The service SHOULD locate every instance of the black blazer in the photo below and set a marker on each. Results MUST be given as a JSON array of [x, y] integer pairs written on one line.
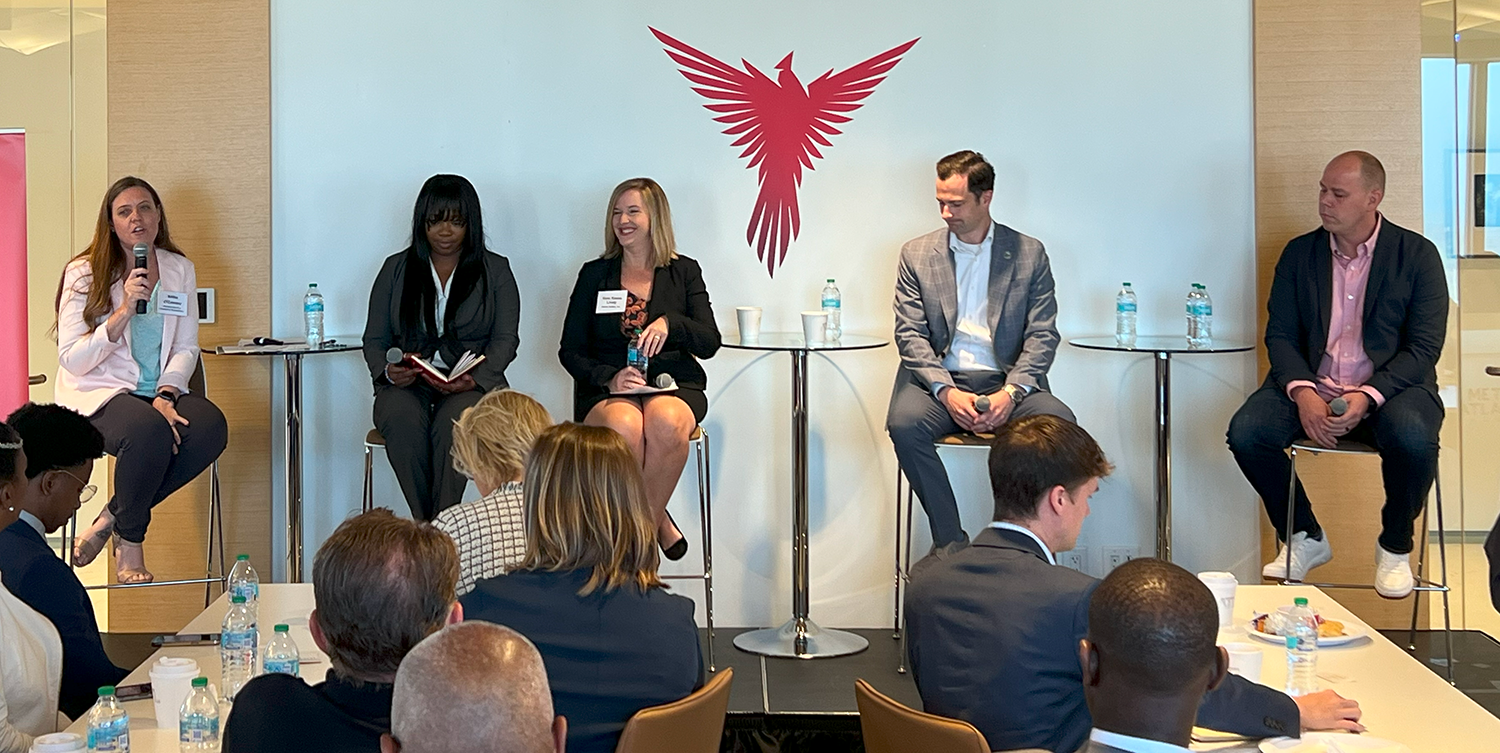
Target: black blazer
[[593, 347], [1405, 310], [275, 713], [994, 633], [607, 655], [34, 573], [484, 324]]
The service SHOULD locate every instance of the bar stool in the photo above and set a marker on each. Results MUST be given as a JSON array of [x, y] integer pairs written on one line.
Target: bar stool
[[373, 441], [699, 442], [1347, 447], [903, 543]]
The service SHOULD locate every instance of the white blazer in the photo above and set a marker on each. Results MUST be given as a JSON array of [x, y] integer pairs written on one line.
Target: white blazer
[[30, 674], [92, 368]]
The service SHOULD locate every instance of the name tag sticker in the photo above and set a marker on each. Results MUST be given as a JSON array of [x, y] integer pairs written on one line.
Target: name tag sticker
[[172, 303], [610, 302]]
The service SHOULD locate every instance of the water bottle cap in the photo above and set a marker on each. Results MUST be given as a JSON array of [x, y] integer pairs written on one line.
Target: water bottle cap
[[312, 284], [237, 599], [1126, 284], [1300, 601], [106, 690], [242, 557], [830, 279], [281, 628], [200, 682]]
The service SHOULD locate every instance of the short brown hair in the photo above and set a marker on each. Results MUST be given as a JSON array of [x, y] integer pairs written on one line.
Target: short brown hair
[[586, 508], [1034, 454], [491, 437], [973, 166], [381, 584]]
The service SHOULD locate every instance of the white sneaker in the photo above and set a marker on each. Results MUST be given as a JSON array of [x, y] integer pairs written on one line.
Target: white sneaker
[[1392, 574], [1306, 554]]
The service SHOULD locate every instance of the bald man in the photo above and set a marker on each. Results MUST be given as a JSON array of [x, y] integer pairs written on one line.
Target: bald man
[[474, 686], [1358, 313]]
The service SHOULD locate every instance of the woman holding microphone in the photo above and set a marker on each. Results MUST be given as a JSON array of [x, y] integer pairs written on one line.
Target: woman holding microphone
[[127, 344], [641, 290]]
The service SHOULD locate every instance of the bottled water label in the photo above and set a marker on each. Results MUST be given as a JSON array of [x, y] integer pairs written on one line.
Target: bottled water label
[[313, 305], [282, 666], [251, 591], [110, 737], [239, 640], [830, 303], [198, 729], [1125, 306]]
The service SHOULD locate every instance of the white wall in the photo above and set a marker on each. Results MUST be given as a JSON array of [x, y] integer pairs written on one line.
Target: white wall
[[1122, 137]]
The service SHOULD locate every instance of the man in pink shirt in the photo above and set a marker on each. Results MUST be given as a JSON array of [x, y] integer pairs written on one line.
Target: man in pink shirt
[[1358, 313]]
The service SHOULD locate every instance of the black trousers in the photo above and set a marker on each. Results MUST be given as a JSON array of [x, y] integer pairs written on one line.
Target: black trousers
[[417, 423], [1404, 430], [146, 470]]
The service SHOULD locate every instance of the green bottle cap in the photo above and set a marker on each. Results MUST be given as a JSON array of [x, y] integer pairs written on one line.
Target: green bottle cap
[[281, 628], [200, 682], [106, 690], [242, 557], [1300, 601]]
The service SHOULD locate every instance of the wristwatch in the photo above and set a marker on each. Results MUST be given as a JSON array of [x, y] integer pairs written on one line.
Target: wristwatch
[[1016, 393], [168, 396]]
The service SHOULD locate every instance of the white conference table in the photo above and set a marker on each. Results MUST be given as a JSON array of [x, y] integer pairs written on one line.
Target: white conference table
[[1402, 700]]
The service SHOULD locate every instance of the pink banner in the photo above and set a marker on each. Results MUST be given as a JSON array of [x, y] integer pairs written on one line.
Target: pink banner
[[13, 340]]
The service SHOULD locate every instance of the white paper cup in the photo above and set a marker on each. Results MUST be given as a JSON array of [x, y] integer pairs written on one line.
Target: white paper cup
[[171, 681], [814, 327], [1222, 585], [59, 742], [1244, 660], [749, 317]]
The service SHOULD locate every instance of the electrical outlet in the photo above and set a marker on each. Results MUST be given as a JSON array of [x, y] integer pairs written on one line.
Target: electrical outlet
[[1114, 556], [1076, 558]]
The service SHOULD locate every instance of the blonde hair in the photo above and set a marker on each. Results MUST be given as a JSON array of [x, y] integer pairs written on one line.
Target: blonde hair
[[663, 243], [491, 437], [586, 508]]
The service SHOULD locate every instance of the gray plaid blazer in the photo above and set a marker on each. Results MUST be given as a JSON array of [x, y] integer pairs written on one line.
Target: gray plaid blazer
[[1022, 311]]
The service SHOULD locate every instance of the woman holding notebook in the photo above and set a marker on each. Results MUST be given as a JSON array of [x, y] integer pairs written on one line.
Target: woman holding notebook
[[442, 328]]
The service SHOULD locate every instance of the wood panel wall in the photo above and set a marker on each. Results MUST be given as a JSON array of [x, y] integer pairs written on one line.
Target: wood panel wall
[[1330, 76], [190, 112]]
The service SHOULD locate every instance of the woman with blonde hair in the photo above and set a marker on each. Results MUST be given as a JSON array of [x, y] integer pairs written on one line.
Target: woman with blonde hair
[[127, 344], [490, 442], [587, 593], [641, 291]]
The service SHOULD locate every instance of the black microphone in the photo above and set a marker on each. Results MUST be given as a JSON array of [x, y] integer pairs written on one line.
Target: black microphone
[[140, 263], [1338, 405], [394, 356], [982, 404], [665, 381]]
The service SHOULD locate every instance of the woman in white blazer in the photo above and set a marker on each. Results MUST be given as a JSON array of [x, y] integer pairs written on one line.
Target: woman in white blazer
[[30, 649], [128, 371]]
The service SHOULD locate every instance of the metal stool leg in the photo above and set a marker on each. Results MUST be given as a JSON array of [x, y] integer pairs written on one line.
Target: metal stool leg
[[901, 574], [705, 513], [1443, 565], [896, 620], [1416, 600], [214, 515], [1291, 517], [368, 501]]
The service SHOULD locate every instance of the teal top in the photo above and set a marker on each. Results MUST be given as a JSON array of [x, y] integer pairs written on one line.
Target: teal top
[[145, 345]]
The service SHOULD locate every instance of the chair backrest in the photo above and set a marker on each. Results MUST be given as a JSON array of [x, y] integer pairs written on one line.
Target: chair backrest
[[198, 383], [692, 725], [891, 727]]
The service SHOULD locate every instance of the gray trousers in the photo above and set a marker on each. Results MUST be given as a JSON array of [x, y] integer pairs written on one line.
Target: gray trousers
[[916, 418], [417, 423]]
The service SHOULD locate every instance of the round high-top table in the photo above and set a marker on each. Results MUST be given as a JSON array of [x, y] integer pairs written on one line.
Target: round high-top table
[[293, 352], [800, 637], [1163, 347]]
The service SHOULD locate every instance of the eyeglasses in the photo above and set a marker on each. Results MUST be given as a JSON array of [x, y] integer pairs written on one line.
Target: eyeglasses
[[87, 491]]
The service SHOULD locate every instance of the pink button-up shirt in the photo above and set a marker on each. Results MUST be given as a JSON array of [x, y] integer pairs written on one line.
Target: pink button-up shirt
[[1346, 367]]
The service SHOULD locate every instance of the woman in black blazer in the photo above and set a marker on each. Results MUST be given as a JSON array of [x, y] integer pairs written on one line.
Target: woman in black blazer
[[445, 295], [642, 289], [588, 594]]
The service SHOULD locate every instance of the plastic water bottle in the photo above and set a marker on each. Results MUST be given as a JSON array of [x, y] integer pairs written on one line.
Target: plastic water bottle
[[198, 720], [1192, 316], [1301, 650], [312, 315], [1125, 310], [237, 649], [1205, 317], [634, 356], [833, 305], [281, 653], [109, 725], [244, 581]]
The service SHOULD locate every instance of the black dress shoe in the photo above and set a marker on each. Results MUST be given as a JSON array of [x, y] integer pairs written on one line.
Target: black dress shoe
[[678, 550]]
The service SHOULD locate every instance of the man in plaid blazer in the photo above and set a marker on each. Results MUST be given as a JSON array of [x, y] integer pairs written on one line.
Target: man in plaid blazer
[[975, 316]]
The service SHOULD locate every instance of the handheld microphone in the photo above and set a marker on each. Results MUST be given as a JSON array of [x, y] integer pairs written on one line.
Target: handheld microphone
[[140, 263], [1338, 405], [982, 404], [665, 381], [394, 356]]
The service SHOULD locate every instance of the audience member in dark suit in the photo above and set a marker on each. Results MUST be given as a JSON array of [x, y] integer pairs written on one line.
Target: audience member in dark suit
[[380, 584], [1358, 312], [61, 447], [587, 594], [994, 627], [641, 288], [474, 687], [445, 295]]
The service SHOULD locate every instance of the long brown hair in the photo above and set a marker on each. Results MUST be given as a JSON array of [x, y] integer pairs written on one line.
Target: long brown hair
[[106, 255], [586, 508], [663, 242]]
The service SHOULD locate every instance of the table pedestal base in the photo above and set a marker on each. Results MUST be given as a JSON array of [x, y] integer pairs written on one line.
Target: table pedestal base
[[811, 642]]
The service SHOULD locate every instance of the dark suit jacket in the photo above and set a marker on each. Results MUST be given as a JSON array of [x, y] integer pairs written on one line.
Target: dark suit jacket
[[593, 347], [277, 713], [994, 642], [1492, 552], [607, 655], [33, 572], [1405, 310], [486, 322]]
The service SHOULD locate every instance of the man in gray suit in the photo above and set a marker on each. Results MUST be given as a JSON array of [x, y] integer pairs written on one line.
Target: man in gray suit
[[994, 629], [975, 317]]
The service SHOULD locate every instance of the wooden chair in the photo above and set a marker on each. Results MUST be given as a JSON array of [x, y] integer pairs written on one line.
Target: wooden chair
[[889, 726], [692, 725]]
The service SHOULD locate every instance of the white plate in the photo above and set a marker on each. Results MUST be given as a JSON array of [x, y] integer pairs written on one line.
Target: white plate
[[1331, 742], [1351, 634]]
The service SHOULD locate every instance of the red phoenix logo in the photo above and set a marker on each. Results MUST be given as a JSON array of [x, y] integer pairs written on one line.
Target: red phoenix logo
[[781, 124]]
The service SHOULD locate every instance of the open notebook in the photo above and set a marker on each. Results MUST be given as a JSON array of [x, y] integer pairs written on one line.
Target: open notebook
[[466, 363]]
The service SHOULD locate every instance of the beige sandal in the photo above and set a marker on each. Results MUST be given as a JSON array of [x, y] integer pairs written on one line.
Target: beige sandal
[[130, 576], [87, 548]]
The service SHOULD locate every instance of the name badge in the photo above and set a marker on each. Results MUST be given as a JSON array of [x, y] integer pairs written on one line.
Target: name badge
[[611, 302], [172, 303]]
